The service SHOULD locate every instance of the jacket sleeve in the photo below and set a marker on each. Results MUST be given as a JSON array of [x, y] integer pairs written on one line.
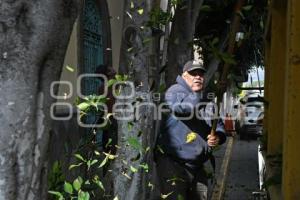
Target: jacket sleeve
[[181, 101]]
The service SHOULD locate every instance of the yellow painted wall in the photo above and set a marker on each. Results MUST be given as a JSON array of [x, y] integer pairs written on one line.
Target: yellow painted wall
[[276, 77], [283, 93], [291, 153]]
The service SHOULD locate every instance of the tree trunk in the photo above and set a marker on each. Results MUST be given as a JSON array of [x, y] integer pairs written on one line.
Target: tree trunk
[[135, 62], [33, 40], [180, 48]]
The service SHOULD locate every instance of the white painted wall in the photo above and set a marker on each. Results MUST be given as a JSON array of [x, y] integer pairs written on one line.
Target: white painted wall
[[71, 59], [116, 8]]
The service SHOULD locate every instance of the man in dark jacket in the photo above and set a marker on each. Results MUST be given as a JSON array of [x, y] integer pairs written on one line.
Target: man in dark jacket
[[185, 140]]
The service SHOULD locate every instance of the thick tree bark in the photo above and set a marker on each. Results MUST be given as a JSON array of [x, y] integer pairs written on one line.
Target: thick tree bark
[[135, 62], [33, 39], [180, 48]]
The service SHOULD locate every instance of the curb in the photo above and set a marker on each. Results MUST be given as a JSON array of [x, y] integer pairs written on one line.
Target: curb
[[219, 187]]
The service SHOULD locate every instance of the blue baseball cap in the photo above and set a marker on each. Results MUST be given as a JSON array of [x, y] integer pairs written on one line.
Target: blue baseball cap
[[192, 65]]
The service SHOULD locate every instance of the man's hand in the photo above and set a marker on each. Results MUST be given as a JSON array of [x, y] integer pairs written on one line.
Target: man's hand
[[213, 140]]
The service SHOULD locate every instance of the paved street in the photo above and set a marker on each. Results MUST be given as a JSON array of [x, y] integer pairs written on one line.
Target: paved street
[[242, 177]]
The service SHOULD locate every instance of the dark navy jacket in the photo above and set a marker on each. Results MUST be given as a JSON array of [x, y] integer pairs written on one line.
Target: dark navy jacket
[[183, 103]]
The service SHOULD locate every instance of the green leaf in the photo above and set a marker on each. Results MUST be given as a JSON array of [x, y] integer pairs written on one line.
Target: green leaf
[[116, 198], [241, 14], [110, 156], [160, 149], [91, 163], [125, 77], [111, 82], [134, 142], [151, 186], [77, 184], [68, 188], [140, 11], [83, 106], [129, 126], [83, 195], [73, 166], [97, 153], [205, 8], [100, 185], [131, 5], [247, 8], [215, 41], [147, 149], [56, 167], [118, 77], [108, 142], [261, 23], [164, 196], [58, 194], [80, 157], [133, 169], [88, 163], [94, 162], [69, 68], [145, 167], [103, 162]]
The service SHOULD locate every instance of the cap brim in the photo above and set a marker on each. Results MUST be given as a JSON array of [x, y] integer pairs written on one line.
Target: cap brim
[[197, 67]]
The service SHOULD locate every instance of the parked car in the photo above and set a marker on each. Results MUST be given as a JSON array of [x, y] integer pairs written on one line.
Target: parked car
[[249, 121]]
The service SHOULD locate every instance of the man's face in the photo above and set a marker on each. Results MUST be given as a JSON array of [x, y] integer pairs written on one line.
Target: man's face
[[194, 79]]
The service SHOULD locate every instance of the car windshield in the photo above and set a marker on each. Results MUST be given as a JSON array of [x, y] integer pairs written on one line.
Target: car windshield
[[255, 99]]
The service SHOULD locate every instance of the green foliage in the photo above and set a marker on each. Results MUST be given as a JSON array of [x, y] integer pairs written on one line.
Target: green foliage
[[89, 161], [81, 188], [247, 8], [134, 143], [145, 167], [175, 3], [217, 53], [77, 183], [121, 78], [205, 8], [214, 23], [158, 18], [68, 188], [58, 195], [92, 102], [56, 177]]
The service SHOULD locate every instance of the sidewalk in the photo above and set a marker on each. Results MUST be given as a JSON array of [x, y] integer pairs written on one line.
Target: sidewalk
[[242, 175]]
